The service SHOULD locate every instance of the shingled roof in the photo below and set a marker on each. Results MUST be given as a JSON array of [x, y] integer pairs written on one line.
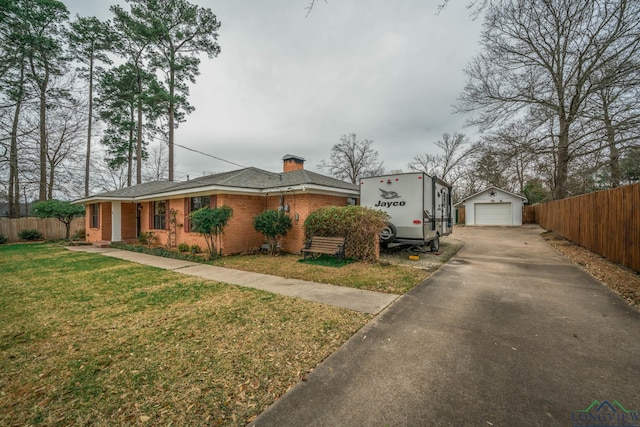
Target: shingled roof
[[251, 180]]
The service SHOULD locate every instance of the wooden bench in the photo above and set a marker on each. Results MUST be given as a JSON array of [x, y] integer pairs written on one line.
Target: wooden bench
[[324, 245]]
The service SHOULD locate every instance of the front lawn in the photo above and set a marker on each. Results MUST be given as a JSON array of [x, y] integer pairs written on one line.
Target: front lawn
[[382, 277], [385, 276], [88, 339]]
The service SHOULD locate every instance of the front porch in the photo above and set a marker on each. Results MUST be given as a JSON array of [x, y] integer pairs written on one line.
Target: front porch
[[116, 222]]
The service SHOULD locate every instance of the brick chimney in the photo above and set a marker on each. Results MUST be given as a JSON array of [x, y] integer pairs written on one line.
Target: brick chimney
[[292, 163]]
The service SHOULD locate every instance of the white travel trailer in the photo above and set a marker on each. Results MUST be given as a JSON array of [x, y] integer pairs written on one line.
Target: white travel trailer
[[419, 205]]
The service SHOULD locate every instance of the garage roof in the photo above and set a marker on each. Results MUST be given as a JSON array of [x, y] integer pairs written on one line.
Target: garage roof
[[492, 187]]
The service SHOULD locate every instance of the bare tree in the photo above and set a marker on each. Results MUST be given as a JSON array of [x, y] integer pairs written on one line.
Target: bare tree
[[352, 159], [615, 115], [107, 177], [157, 166], [548, 55], [516, 146], [449, 165], [311, 5], [64, 139]]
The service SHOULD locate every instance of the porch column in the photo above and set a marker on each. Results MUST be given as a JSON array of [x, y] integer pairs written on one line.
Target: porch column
[[116, 221]]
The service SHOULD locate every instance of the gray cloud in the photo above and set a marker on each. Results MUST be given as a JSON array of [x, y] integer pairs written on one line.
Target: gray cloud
[[286, 83]]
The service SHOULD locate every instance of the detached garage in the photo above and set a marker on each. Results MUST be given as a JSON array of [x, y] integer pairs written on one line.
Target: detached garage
[[493, 206]]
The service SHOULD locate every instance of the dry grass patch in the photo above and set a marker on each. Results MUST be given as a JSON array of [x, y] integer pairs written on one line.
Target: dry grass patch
[[395, 273], [88, 339], [382, 277]]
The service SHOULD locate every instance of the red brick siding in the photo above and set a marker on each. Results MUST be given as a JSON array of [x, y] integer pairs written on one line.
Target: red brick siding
[[190, 238], [128, 221], [145, 225], [290, 165], [302, 204], [104, 220], [239, 235]]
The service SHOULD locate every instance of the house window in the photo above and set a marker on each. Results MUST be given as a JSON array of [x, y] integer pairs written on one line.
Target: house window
[[199, 203], [159, 214], [94, 215], [192, 204]]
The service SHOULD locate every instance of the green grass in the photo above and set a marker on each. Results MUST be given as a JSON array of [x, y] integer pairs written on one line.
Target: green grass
[[380, 277], [327, 261], [88, 339]]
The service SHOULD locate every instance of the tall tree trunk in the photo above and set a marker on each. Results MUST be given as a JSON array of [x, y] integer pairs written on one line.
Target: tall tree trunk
[[614, 163], [139, 146], [89, 124], [614, 153], [171, 116], [139, 134], [14, 185], [42, 195], [562, 167], [51, 180], [130, 150]]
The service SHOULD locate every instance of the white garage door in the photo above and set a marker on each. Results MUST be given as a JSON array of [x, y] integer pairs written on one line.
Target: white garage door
[[493, 214]]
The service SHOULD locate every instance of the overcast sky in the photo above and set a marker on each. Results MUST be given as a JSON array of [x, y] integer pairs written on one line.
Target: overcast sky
[[287, 83]]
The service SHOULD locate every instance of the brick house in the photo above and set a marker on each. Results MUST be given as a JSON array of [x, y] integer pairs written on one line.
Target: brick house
[[121, 215]]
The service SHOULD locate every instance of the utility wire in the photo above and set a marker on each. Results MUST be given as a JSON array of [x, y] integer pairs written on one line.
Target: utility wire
[[209, 155], [271, 174]]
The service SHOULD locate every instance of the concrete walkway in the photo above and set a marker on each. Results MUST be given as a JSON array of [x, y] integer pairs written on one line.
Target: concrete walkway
[[339, 296], [508, 333]]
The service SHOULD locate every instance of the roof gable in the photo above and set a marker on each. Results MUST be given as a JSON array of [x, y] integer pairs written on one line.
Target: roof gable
[[488, 190]]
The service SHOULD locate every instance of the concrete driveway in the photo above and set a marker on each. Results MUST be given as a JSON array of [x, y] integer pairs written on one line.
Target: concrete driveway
[[508, 333]]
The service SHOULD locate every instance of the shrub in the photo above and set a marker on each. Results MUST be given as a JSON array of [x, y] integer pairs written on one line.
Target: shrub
[[147, 238], [210, 224], [196, 249], [3, 239], [273, 225], [359, 226], [158, 251], [80, 234], [30, 234], [183, 247]]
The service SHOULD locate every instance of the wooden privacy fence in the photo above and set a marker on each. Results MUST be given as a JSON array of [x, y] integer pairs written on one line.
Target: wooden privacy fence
[[605, 222], [50, 228], [529, 215], [460, 215]]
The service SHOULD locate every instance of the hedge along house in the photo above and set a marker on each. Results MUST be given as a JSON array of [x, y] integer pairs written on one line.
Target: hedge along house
[[493, 206], [163, 207]]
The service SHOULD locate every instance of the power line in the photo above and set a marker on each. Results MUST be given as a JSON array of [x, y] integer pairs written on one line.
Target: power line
[[209, 155], [270, 174]]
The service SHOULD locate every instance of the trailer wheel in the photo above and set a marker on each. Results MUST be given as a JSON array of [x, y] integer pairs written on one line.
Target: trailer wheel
[[435, 244], [388, 234]]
